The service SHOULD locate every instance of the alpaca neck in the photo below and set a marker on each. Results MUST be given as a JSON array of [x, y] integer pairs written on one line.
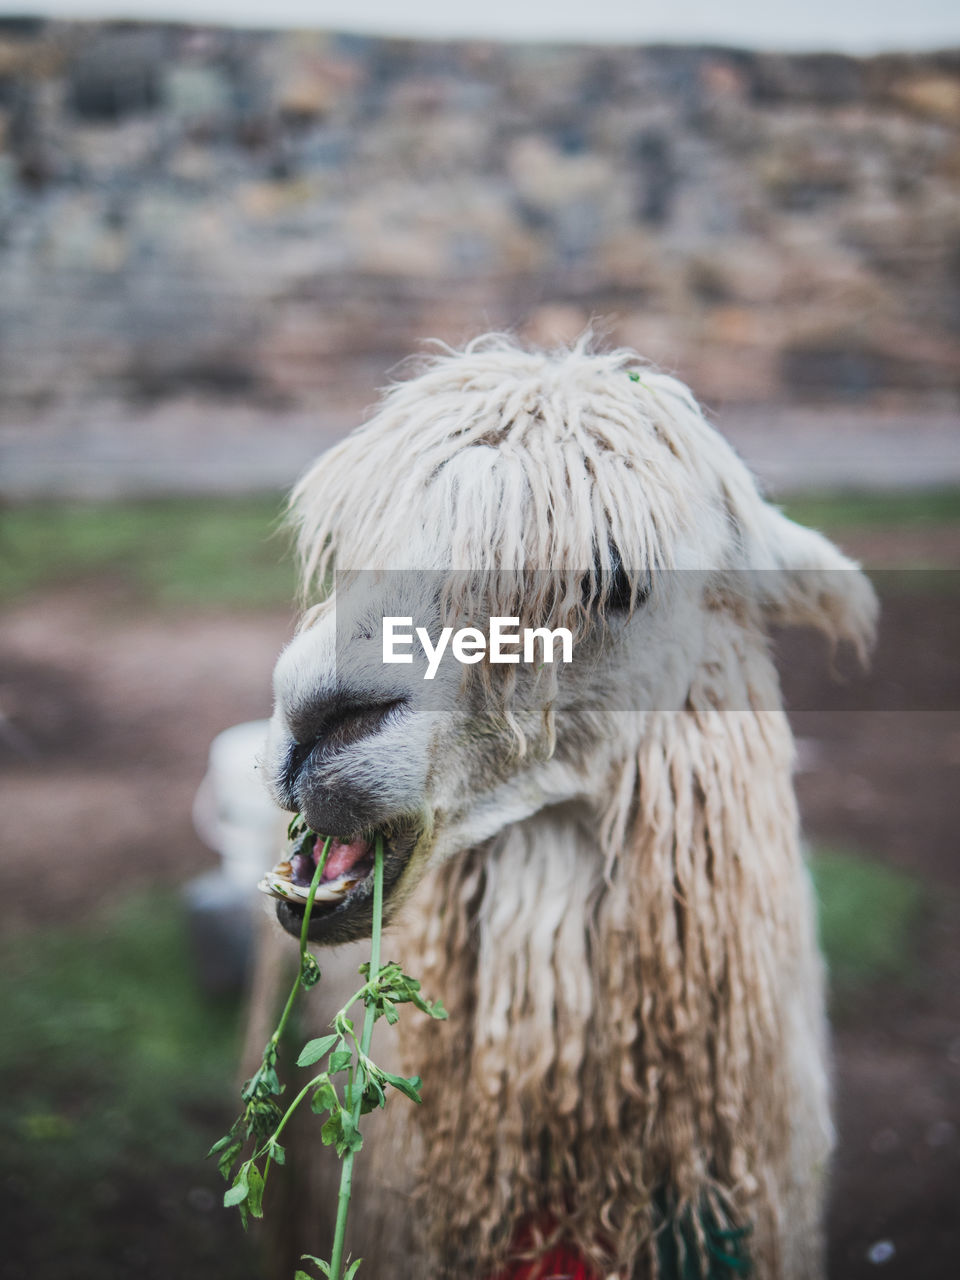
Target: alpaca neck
[[617, 1023]]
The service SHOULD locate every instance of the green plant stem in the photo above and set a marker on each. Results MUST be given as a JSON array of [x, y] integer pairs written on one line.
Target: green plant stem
[[314, 885], [311, 1084], [288, 1007], [369, 1017]]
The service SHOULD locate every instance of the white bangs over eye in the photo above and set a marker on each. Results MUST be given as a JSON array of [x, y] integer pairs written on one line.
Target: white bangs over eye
[[495, 459]]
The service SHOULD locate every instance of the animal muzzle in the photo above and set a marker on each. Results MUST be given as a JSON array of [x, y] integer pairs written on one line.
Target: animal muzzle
[[330, 773]]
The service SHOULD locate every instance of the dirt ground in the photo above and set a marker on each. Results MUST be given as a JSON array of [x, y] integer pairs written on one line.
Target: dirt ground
[[108, 715]]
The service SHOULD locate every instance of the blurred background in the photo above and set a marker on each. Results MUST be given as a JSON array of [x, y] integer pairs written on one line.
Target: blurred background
[[215, 243]]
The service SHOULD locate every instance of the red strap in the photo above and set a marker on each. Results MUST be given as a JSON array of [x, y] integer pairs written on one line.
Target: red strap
[[561, 1263]]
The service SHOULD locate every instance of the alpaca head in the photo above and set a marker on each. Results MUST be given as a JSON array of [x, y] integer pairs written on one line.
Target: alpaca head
[[564, 490]]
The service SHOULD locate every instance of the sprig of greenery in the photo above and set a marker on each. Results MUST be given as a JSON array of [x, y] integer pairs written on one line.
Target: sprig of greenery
[[350, 1085]]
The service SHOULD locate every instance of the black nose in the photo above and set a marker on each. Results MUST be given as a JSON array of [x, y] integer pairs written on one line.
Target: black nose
[[322, 729], [331, 799]]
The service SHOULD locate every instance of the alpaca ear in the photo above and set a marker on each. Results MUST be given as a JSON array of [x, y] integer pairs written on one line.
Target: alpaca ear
[[803, 580]]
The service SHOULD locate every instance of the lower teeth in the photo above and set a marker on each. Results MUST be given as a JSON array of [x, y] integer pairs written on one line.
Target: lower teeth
[[279, 884]]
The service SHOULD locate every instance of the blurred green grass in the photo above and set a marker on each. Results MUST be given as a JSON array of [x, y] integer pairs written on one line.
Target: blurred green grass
[[231, 552], [166, 552], [869, 916], [116, 1074], [910, 509]]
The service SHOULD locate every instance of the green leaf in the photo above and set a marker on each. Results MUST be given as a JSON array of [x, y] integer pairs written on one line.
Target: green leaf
[[342, 1058], [341, 1131], [219, 1145], [373, 1096], [240, 1189], [264, 1080], [226, 1161], [276, 1153], [410, 1087], [331, 1132], [255, 1192], [263, 1118], [352, 1269], [436, 1010], [324, 1098], [309, 972], [270, 1080], [351, 1139], [314, 1050], [317, 1262]]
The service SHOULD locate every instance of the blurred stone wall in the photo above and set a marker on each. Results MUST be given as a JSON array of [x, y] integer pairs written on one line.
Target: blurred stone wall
[[279, 217]]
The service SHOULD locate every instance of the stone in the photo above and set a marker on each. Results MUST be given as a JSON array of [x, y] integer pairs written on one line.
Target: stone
[[196, 93], [281, 215], [936, 97], [117, 73]]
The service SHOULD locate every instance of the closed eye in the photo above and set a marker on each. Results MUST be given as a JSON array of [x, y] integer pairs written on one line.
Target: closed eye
[[615, 588], [619, 596]]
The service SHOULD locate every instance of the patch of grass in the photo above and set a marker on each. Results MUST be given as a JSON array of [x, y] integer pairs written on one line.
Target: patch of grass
[[114, 1070], [164, 552], [913, 509], [868, 919], [228, 551]]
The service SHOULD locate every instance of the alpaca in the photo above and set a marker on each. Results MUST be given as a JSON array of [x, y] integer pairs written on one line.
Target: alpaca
[[595, 865]]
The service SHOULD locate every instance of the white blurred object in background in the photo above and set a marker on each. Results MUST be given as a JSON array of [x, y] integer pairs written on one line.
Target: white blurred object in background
[[233, 814]]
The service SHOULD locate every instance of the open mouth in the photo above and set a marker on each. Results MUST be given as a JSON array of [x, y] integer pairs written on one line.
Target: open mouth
[[343, 903], [348, 863]]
